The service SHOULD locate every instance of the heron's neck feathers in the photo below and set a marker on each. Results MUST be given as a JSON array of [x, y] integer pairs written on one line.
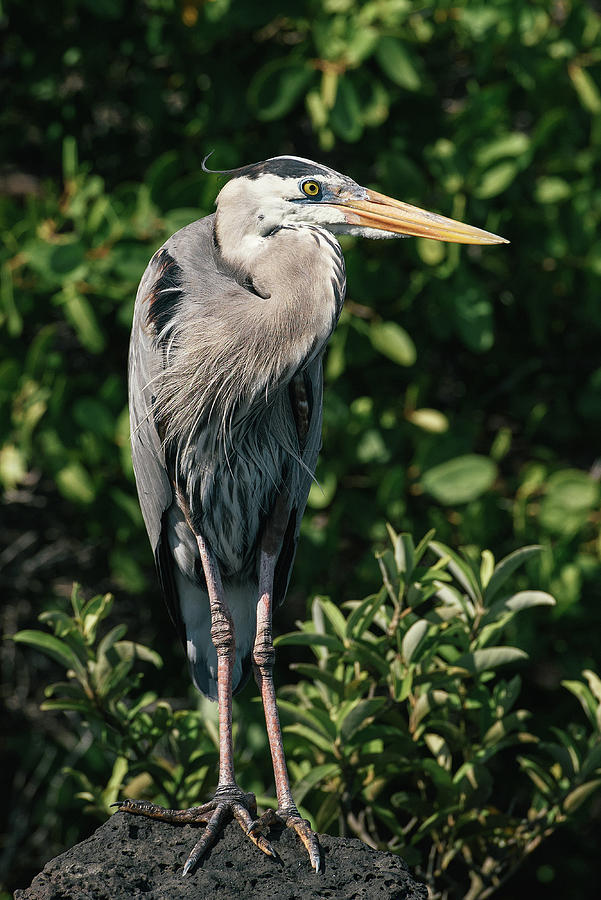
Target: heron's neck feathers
[[229, 353]]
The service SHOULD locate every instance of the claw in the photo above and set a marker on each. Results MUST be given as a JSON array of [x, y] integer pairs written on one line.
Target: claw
[[292, 819]]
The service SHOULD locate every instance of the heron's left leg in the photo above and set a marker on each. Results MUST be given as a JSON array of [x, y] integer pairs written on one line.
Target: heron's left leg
[[263, 660]]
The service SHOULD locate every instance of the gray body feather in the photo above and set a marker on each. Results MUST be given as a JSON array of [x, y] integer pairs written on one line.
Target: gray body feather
[[225, 382]]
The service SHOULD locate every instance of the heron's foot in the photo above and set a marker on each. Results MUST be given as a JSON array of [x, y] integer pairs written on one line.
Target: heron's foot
[[291, 818], [228, 803]]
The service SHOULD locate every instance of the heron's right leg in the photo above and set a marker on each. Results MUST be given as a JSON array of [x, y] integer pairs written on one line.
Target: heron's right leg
[[229, 800], [263, 660]]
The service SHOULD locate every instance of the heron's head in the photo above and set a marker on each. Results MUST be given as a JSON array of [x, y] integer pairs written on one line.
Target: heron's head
[[288, 190]]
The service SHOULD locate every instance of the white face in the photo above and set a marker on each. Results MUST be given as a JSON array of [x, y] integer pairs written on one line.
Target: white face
[[269, 201]]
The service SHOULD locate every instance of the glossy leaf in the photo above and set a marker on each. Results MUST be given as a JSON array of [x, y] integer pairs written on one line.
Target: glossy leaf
[[460, 480]]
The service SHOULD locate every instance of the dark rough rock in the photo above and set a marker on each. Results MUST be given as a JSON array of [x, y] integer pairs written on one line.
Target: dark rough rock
[[130, 856]]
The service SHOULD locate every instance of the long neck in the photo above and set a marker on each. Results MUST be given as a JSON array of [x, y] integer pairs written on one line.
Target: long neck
[[297, 271], [239, 344]]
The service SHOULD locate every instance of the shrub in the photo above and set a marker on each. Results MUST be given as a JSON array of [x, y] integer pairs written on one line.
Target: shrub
[[401, 732]]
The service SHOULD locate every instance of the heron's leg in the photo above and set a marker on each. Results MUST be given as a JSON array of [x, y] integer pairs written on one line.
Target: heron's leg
[[229, 801], [263, 660]]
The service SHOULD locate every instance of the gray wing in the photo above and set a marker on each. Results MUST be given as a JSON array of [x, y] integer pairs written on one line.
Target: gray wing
[[156, 301], [306, 393], [145, 369]]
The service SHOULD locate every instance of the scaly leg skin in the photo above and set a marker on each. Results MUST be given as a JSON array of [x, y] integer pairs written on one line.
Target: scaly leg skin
[[263, 660], [229, 801]]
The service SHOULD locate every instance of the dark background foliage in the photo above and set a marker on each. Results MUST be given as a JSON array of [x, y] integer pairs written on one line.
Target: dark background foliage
[[463, 385]]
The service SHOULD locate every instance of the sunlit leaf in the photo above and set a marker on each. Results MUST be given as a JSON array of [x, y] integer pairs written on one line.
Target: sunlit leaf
[[490, 658], [580, 794], [413, 638], [587, 90], [393, 341], [396, 61], [53, 647], [496, 180], [507, 566], [75, 483], [461, 479], [570, 497]]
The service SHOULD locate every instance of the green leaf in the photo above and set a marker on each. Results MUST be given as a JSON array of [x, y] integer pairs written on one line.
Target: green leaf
[[334, 616], [404, 554], [359, 715], [393, 341], [507, 566], [322, 743], [13, 466], [460, 480], [528, 599], [515, 143], [345, 117], [66, 704], [397, 62], [277, 87], [120, 770], [324, 773], [11, 314], [460, 569], [486, 567], [489, 659], [594, 683], [496, 180], [316, 674], [94, 611], [431, 420], [363, 615], [93, 415], [114, 635], [70, 158], [504, 727], [61, 623], [309, 639], [585, 696], [571, 496], [53, 647], [413, 638], [580, 794], [587, 90], [552, 190], [65, 259], [84, 320], [538, 775], [474, 319], [75, 483], [130, 650]]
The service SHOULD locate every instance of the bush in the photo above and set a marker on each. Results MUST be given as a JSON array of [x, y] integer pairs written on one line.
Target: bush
[[399, 733]]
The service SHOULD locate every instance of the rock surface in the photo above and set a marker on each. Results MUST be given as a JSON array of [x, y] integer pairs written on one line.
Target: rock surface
[[130, 857]]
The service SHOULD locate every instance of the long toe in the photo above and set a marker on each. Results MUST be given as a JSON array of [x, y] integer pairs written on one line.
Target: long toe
[[214, 815], [292, 819], [195, 815]]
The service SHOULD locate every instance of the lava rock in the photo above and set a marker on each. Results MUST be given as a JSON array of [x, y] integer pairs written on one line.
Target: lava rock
[[131, 856]]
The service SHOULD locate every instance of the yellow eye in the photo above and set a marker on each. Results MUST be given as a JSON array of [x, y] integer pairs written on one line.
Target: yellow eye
[[311, 188]]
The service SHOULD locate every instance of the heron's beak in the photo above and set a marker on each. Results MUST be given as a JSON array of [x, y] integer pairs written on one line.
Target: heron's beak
[[386, 214]]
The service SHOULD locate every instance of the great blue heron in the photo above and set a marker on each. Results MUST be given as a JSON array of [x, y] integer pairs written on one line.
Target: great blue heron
[[231, 320]]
